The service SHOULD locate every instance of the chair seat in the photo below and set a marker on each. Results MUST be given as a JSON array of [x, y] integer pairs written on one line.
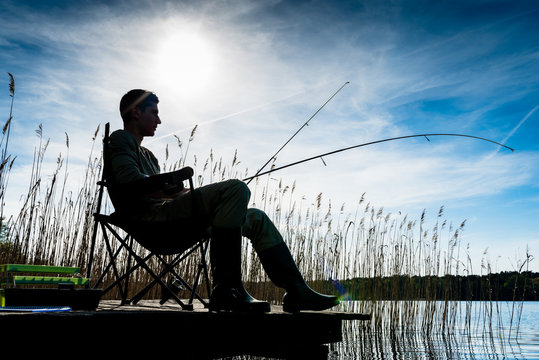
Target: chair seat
[[163, 237], [113, 219]]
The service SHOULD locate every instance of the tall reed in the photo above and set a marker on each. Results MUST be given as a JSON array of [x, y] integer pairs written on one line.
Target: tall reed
[[6, 161]]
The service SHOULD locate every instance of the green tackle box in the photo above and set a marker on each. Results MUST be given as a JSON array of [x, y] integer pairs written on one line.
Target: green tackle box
[[42, 285]]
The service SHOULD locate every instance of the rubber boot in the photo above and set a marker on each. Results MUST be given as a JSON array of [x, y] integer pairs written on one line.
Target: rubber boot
[[228, 293], [283, 272]]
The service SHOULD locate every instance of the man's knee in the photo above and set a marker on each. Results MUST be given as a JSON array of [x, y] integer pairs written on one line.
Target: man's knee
[[256, 218], [240, 188]]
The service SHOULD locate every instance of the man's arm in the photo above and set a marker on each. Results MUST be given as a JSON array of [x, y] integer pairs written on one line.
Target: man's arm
[[166, 184], [136, 174]]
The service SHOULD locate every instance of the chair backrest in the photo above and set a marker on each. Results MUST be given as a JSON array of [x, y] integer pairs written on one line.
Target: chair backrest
[[106, 173], [105, 170], [97, 210]]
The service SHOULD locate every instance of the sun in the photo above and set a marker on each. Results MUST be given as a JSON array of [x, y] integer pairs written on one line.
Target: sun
[[185, 61]]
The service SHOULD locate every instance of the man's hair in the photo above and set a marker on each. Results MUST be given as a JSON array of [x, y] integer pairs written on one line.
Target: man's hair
[[136, 98]]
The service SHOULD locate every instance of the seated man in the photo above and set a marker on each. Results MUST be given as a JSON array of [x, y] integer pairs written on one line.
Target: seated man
[[221, 207]]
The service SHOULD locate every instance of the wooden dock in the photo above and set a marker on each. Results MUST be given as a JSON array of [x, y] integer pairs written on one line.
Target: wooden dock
[[168, 330]]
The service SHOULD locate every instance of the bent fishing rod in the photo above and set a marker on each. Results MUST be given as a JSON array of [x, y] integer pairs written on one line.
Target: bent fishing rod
[[286, 143], [426, 136]]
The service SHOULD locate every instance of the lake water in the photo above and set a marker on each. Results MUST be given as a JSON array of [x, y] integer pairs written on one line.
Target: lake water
[[441, 330]]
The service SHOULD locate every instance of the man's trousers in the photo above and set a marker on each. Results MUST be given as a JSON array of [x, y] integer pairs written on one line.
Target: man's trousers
[[222, 204]]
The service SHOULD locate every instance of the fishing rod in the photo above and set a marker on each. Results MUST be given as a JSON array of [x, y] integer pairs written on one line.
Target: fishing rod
[[286, 143], [426, 136]]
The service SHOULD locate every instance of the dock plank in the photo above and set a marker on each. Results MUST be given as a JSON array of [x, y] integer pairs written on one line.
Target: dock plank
[[197, 334]]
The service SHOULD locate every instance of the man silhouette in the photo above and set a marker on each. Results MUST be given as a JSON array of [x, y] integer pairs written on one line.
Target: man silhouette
[[222, 207]]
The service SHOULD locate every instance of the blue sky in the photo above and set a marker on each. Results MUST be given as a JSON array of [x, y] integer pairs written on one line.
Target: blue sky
[[250, 73]]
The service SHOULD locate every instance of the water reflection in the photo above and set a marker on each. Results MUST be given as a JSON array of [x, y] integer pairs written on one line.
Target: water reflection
[[441, 330]]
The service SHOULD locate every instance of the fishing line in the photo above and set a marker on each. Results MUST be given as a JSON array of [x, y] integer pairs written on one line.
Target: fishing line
[[370, 143], [286, 143]]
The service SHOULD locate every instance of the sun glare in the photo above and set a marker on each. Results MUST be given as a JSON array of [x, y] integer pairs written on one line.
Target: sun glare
[[185, 62]]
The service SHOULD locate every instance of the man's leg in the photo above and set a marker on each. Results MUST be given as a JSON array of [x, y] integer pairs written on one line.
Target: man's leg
[[280, 265], [224, 206], [228, 293], [260, 230]]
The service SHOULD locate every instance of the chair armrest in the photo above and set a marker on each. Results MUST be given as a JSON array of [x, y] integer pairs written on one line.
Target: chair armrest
[[168, 182]]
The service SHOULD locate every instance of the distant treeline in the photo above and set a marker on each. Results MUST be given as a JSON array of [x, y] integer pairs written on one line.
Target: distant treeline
[[504, 286]]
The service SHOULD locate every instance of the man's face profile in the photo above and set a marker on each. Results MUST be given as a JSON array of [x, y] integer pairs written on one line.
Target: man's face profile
[[147, 120]]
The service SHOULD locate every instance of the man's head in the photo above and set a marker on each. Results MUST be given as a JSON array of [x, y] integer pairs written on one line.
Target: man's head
[[140, 113], [136, 99]]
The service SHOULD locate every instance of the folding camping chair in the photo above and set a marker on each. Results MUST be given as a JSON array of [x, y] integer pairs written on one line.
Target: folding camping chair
[[141, 257]]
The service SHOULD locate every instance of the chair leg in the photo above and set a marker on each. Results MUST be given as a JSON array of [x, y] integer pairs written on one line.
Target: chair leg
[[140, 262], [157, 280], [113, 261], [175, 286], [126, 281], [202, 269], [106, 269], [169, 291]]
